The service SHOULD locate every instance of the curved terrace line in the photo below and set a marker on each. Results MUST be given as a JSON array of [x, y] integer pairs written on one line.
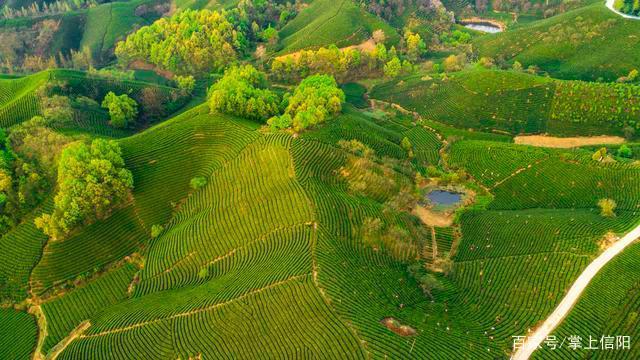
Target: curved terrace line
[[540, 334]]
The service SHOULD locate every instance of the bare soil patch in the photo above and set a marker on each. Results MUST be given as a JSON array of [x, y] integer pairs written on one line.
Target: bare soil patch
[[394, 325], [566, 142], [141, 65], [433, 218]]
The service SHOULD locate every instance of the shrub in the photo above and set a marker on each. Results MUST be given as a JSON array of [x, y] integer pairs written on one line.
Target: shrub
[[156, 230], [198, 182], [607, 207], [625, 152], [186, 84]]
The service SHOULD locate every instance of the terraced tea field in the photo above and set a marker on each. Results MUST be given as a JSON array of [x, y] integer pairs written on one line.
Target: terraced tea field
[[516, 102]]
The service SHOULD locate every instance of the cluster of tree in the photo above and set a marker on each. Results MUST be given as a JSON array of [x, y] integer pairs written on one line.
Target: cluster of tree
[[243, 91], [532, 7], [92, 181], [631, 7], [389, 9], [314, 100], [189, 42], [123, 110], [27, 168], [343, 64], [260, 20], [25, 48], [46, 8]]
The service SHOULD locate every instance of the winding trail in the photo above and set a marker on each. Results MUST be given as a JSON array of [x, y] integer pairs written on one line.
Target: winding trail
[[567, 303], [626, 16]]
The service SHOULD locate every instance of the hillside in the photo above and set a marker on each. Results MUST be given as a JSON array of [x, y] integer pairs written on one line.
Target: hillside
[[516, 102], [559, 44], [208, 190]]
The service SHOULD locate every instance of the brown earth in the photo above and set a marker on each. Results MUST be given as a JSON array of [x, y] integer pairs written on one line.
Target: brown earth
[[141, 65], [395, 326], [432, 218], [566, 142]]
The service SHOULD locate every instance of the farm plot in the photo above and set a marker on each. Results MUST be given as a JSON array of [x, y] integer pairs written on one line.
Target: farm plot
[[365, 286], [596, 315], [23, 332], [254, 194], [492, 162], [20, 251], [63, 314], [194, 143], [569, 182], [326, 22]]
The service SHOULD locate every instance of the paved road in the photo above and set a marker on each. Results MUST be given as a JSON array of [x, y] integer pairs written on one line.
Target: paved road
[[627, 16], [541, 333]]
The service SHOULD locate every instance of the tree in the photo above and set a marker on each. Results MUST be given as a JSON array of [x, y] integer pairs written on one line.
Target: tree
[[92, 181], [122, 109], [57, 109], [186, 84], [392, 67], [242, 91], [379, 36], [407, 146], [198, 182], [454, 63], [270, 35], [517, 66], [600, 154], [415, 45], [156, 230], [625, 152], [189, 42], [313, 101], [607, 207]]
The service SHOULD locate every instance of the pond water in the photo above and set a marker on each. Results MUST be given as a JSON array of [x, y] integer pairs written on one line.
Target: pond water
[[443, 197], [484, 28]]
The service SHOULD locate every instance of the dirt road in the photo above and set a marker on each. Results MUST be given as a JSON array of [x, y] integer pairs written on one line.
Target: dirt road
[[567, 303]]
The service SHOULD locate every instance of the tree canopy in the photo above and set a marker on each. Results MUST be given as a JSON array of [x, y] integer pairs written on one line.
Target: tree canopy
[[189, 42], [314, 100], [242, 91], [92, 180], [122, 109]]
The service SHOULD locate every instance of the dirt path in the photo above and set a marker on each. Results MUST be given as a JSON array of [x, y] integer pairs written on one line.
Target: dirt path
[[566, 142], [626, 16], [540, 334]]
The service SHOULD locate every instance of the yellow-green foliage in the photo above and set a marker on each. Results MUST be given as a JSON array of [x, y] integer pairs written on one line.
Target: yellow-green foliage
[[242, 91], [191, 42], [314, 100], [92, 181]]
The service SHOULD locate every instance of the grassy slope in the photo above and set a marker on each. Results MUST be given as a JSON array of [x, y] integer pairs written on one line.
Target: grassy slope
[[108, 23], [516, 102], [326, 22], [515, 261], [560, 45]]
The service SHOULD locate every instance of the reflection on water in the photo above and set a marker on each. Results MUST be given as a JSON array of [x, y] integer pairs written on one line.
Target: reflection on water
[[484, 28]]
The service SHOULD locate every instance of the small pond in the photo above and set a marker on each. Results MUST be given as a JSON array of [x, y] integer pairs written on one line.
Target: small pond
[[487, 28], [444, 197]]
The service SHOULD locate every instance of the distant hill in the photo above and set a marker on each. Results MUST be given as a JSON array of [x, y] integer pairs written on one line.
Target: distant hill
[[587, 44], [517, 102]]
